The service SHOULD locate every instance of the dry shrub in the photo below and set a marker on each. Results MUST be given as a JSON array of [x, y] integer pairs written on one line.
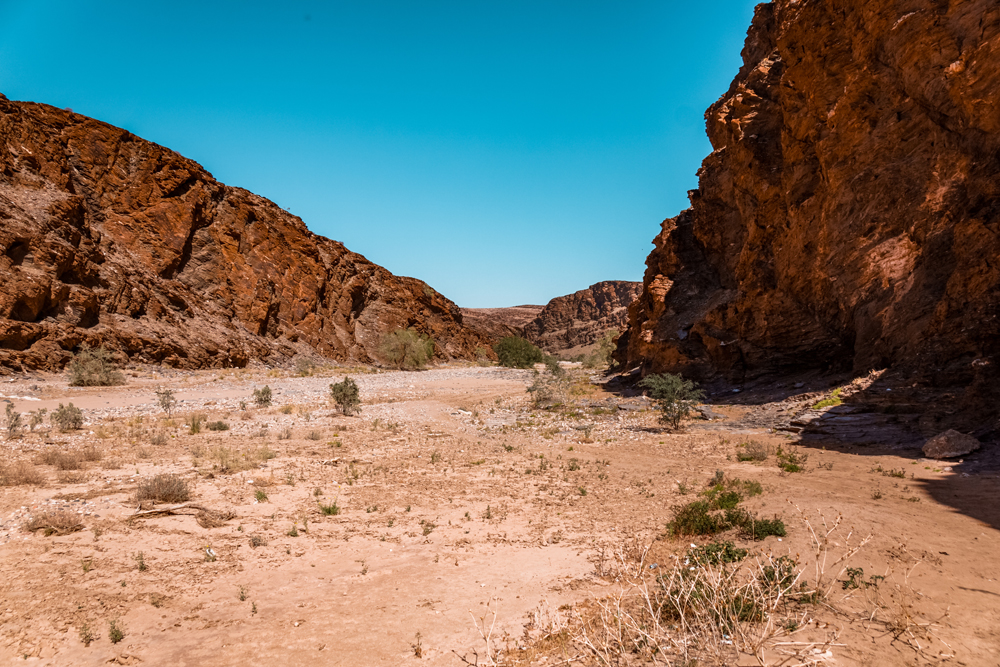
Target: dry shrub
[[60, 460], [111, 464], [232, 460], [55, 522], [71, 477], [91, 453], [213, 519], [163, 488], [20, 473]]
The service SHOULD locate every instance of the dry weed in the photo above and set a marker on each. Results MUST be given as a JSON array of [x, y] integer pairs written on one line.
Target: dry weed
[[55, 522], [20, 473], [163, 488]]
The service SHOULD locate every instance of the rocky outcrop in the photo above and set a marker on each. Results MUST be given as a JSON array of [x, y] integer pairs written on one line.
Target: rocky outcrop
[[568, 323], [497, 323], [109, 239], [849, 214]]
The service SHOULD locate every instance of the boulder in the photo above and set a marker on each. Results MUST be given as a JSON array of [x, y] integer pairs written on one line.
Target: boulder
[[950, 444]]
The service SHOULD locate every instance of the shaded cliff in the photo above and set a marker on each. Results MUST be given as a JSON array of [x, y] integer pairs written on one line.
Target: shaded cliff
[[848, 217], [109, 239], [578, 320]]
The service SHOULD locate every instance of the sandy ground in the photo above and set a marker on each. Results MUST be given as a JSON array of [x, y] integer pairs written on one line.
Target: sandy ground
[[456, 498]]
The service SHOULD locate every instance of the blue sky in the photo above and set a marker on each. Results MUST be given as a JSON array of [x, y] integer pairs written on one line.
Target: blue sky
[[505, 152]]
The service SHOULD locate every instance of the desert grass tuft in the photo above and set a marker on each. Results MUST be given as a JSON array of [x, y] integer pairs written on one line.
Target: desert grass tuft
[[165, 488]]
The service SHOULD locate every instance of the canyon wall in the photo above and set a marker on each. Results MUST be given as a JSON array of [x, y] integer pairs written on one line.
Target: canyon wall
[[568, 323], [109, 239], [848, 217]]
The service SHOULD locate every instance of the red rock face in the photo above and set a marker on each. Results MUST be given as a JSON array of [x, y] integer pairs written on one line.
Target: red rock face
[[498, 323], [580, 319], [849, 214], [109, 239]]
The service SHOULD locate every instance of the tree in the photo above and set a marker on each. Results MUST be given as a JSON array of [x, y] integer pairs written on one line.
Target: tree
[[516, 352], [406, 349], [165, 397], [262, 397], [346, 395], [94, 367], [674, 395]]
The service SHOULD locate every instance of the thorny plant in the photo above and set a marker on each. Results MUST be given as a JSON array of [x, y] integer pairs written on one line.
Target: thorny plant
[[486, 628]]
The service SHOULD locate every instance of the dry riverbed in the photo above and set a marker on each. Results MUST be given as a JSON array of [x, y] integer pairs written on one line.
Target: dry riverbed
[[450, 512]]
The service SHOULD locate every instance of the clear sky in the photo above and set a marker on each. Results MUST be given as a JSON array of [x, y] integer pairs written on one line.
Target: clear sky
[[505, 152]]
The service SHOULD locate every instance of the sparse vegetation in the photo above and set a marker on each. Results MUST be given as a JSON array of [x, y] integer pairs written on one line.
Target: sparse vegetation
[[406, 349], [516, 352], [217, 426], [331, 509], [116, 632], [55, 522], [346, 395], [830, 401], [166, 400], [753, 450], [257, 541], [674, 395], [15, 425], [86, 635], [262, 397], [94, 367], [260, 495], [67, 418], [601, 356], [790, 461], [164, 488]]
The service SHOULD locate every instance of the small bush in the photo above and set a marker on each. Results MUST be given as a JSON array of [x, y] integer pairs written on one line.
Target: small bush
[[159, 439], [116, 632], [260, 495], [406, 349], [257, 541], [87, 635], [601, 356], [196, 421], [285, 434], [675, 396], [37, 417], [165, 399], [516, 352], [15, 425], [94, 367], [304, 366], [314, 435], [752, 450], [330, 510], [165, 488], [791, 461], [217, 426], [716, 553], [830, 401], [67, 418], [55, 522], [262, 397], [20, 473], [346, 395]]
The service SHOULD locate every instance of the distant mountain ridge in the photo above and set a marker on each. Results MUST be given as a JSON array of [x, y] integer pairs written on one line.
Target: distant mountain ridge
[[566, 324], [106, 238]]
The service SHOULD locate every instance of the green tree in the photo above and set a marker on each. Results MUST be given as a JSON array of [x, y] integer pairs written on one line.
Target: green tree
[[674, 395], [516, 352], [406, 349], [346, 395]]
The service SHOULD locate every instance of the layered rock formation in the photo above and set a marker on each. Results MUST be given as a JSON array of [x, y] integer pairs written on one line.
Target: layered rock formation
[[497, 323], [575, 321], [109, 239], [849, 214]]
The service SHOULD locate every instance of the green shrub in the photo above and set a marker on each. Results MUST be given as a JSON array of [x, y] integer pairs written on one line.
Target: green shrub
[[516, 352], [830, 401], [165, 399], [752, 450], [15, 426], [94, 367], [791, 461], [346, 395], [601, 356], [406, 349], [675, 396], [262, 397], [716, 553], [330, 510], [67, 418]]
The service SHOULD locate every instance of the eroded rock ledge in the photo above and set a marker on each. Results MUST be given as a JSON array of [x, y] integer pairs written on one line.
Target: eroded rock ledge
[[109, 239]]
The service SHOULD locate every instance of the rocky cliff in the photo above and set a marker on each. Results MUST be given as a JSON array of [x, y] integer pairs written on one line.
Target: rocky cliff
[[849, 214], [109, 239], [497, 323], [569, 323]]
